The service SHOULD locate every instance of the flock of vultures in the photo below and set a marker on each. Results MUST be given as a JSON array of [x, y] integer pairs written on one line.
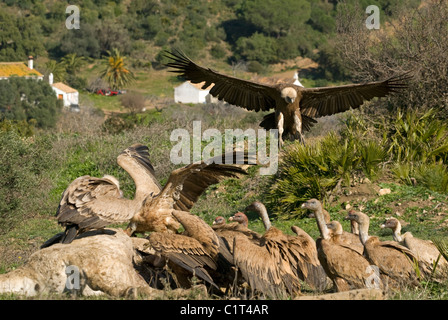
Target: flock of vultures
[[227, 256]]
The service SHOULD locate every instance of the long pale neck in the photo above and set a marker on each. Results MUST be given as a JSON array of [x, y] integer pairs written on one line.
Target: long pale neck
[[354, 227], [144, 183], [397, 234], [264, 217], [363, 232], [321, 224]]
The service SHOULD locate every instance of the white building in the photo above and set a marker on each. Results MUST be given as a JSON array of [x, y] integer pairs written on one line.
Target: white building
[[296, 79], [67, 94], [189, 92]]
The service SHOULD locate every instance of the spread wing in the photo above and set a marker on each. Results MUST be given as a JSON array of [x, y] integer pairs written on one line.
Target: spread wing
[[242, 93], [91, 202], [186, 184], [319, 102], [257, 266], [184, 251]]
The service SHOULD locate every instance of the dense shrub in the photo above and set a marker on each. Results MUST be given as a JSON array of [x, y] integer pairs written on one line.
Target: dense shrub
[[27, 99], [22, 165]]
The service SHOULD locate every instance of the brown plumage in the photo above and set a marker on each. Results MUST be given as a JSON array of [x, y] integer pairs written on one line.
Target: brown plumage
[[350, 239], [347, 268], [279, 261], [396, 262], [182, 190], [295, 107], [198, 250], [228, 231], [93, 203], [425, 250]]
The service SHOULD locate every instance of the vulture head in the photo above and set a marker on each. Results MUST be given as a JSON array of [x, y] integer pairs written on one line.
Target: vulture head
[[136, 154], [391, 223], [289, 94], [219, 221], [335, 227], [359, 217], [312, 204], [241, 218]]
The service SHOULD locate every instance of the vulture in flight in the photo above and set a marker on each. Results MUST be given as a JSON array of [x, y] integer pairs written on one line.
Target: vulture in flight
[[181, 191], [91, 203], [295, 106]]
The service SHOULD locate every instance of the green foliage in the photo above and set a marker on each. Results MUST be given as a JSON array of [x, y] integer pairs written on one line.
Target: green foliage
[[22, 161], [19, 37], [27, 99], [115, 73]]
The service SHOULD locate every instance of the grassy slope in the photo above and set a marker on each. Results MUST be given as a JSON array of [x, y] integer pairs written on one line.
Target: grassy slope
[[423, 210]]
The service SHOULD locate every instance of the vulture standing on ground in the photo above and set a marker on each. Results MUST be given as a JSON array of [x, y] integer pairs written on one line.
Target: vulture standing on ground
[[198, 250], [396, 262], [295, 107], [350, 239], [346, 267], [278, 261], [425, 250], [93, 203], [182, 190]]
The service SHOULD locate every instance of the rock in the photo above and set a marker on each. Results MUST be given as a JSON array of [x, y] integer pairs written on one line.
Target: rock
[[358, 294], [104, 263], [384, 191]]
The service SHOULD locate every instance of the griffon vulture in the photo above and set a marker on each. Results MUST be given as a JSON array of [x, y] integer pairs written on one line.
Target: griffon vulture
[[295, 107], [93, 203], [395, 262], [425, 250], [198, 250], [346, 267], [182, 190], [278, 261]]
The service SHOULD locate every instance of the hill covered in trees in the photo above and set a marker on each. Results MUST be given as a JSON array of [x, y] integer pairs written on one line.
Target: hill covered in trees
[[260, 32]]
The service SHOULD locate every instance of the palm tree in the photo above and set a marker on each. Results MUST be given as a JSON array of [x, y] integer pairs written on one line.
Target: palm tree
[[72, 62], [115, 72], [58, 70]]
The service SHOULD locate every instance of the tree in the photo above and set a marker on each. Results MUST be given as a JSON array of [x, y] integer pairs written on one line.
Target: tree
[[72, 62], [27, 99], [57, 69], [84, 42], [115, 72], [276, 18], [417, 41], [19, 38]]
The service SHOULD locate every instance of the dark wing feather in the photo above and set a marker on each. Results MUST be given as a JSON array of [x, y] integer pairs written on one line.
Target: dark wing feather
[[184, 251], [246, 94], [186, 184], [319, 102]]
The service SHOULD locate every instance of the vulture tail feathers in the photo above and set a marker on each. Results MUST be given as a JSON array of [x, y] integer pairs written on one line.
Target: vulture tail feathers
[[71, 232]]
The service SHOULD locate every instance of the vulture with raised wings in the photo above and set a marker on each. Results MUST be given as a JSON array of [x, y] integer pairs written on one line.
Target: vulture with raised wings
[[93, 203], [278, 261], [196, 251], [295, 106], [181, 191]]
